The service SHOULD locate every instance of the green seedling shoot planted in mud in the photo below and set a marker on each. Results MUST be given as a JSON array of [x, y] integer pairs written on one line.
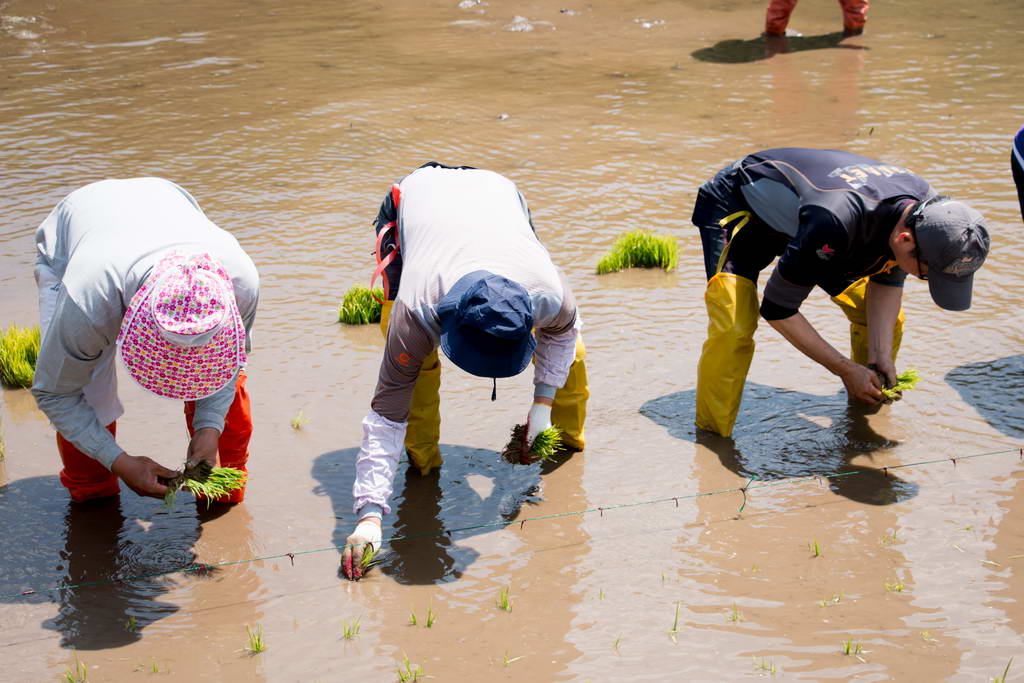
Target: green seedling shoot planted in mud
[[431, 616], [407, 672], [675, 626], [19, 348], [927, 637], [153, 667], [640, 249], [766, 666], [544, 446], [735, 615], [815, 548], [1006, 672], [506, 660], [904, 381], [413, 621], [299, 421], [77, 672], [600, 594], [350, 629], [132, 625], [894, 586], [504, 601], [203, 480], [616, 642], [834, 600], [358, 307], [889, 539], [852, 647], [255, 643]]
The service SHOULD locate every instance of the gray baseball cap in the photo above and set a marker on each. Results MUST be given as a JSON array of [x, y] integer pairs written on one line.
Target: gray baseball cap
[[953, 241]]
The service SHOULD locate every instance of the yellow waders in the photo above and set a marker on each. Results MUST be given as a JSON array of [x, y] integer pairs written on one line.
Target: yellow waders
[[852, 301], [569, 410], [731, 302], [423, 434]]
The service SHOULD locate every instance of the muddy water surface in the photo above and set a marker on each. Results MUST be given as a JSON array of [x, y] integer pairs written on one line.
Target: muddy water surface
[[289, 121]]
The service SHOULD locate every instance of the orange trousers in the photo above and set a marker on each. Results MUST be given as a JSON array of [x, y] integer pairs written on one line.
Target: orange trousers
[[85, 478], [855, 14]]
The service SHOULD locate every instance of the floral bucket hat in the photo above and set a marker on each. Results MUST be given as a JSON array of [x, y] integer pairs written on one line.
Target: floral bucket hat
[[182, 336]]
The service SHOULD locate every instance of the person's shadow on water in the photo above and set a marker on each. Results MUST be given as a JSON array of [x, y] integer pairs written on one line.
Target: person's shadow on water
[[473, 487], [995, 388], [776, 438], [50, 541], [739, 51]]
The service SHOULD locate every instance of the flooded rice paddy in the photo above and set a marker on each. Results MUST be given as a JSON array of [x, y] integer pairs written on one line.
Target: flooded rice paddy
[[288, 122]]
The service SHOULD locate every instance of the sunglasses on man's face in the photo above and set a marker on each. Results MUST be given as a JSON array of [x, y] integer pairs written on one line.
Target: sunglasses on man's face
[[912, 220]]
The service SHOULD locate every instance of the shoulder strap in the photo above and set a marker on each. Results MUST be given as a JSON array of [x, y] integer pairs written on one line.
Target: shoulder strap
[[385, 261]]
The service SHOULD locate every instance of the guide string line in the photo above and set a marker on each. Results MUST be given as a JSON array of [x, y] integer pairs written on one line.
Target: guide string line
[[201, 568]]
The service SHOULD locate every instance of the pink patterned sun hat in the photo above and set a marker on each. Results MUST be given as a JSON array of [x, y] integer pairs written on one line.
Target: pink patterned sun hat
[[182, 336]]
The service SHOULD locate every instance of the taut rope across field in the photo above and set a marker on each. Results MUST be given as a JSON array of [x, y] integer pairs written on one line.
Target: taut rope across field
[[200, 568]]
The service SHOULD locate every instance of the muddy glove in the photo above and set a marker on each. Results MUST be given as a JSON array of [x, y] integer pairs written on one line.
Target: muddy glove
[[537, 421], [367, 534]]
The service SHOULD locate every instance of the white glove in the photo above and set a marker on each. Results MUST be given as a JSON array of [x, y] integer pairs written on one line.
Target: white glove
[[367, 532], [537, 421]]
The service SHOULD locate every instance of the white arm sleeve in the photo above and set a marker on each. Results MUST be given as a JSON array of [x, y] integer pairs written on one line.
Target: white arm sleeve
[[377, 461]]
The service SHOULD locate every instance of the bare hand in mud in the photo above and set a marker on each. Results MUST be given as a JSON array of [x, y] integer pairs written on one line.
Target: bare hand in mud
[[863, 384], [362, 544], [886, 371], [142, 474], [203, 446]]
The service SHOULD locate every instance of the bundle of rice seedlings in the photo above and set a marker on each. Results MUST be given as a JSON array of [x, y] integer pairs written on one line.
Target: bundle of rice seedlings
[[359, 307], [544, 446], [640, 249], [369, 558], [203, 480], [19, 347], [905, 380]]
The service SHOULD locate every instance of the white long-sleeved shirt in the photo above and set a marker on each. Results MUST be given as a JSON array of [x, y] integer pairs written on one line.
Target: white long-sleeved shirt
[[101, 242], [451, 222]]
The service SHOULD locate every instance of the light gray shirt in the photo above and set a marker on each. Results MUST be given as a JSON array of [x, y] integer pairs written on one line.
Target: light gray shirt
[[101, 242]]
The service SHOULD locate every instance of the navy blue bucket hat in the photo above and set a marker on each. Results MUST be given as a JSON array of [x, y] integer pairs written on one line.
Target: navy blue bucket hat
[[487, 325]]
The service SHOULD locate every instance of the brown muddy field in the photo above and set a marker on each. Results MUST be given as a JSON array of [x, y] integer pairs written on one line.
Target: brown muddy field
[[288, 122]]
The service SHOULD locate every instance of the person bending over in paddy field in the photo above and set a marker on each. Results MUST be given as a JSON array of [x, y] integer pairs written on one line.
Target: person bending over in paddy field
[[462, 268], [135, 268], [851, 225]]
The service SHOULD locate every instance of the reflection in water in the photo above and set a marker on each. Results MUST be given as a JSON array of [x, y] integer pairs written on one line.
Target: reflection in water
[[775, 438], [423, 506], [738, 51], [101, 545], [995, 388], [103, 541]]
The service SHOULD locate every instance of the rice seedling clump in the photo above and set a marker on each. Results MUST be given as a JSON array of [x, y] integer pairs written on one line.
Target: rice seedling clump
[[359, 307], [202, 480], [544, 446], [905, 380], [19, 347], [640, 249]]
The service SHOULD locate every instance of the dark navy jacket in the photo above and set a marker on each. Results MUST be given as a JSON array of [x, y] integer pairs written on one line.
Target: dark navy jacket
[[839, 209]]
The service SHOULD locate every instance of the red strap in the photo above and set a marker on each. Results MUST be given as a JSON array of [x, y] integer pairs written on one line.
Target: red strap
[[383, 263]]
